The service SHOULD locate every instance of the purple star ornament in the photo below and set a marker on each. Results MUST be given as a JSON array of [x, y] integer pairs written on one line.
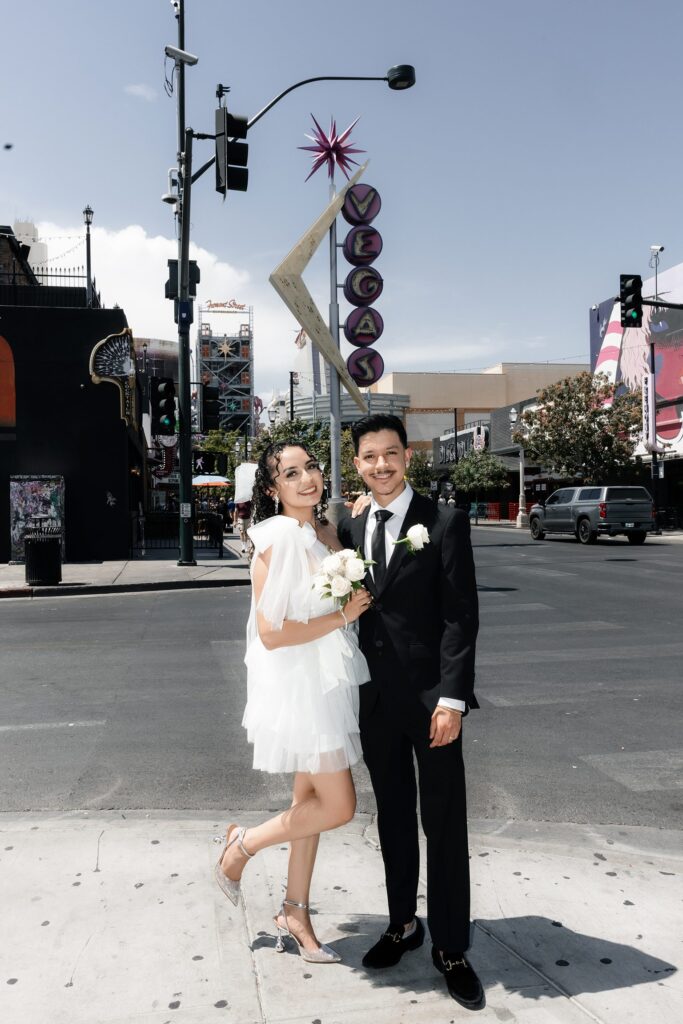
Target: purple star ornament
[[331, 149]]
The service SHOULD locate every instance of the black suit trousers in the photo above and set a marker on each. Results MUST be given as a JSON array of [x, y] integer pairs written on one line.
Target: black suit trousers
[[391, 733]]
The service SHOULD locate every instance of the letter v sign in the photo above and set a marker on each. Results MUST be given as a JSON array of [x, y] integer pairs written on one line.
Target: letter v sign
[[287, 281]]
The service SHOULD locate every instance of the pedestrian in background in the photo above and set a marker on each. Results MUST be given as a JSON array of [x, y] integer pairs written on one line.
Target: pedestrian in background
[[243, 511]]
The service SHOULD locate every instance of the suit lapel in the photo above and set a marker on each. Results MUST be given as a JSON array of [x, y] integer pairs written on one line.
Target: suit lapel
[[401, 553], [358, 535]]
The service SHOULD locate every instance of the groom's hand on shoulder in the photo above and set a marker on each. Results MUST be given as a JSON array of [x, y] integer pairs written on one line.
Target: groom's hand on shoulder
[[358, 506], [445, 726]]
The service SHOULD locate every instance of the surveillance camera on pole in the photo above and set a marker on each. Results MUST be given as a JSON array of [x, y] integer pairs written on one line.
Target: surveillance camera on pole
[[656, 248], [171, 197], [180, 56]]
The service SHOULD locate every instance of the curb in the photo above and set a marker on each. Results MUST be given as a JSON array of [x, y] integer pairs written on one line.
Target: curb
[[124, 588]]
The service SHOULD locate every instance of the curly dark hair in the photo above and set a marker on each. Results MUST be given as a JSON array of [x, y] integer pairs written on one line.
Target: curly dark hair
[[267, 470]]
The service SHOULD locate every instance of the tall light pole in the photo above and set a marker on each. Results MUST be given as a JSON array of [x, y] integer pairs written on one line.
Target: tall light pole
[[401, 76], [655, 250], [87, 217], [184, 305], [522, 517]]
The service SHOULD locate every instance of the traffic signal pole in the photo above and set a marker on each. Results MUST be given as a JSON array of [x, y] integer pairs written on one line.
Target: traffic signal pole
[[184, 399], [400, 77], [186, 537]]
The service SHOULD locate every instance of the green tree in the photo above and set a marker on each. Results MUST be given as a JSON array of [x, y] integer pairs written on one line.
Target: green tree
[[351, 480], [315, 436], [581, 427], [478, 473], [419, 472]]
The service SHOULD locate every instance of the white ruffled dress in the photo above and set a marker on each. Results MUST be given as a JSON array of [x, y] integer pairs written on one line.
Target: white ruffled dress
[[302, 706]]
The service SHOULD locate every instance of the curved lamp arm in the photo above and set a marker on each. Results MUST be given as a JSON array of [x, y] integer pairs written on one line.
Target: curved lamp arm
[[321, 78]]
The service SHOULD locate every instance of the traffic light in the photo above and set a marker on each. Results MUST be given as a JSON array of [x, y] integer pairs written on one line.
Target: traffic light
[[631, 298], [210, 410], [162, 406], [231, 156], [172, 286]]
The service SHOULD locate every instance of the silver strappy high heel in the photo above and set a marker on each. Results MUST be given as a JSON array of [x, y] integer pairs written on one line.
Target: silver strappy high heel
[[227, 886], [322, 955]]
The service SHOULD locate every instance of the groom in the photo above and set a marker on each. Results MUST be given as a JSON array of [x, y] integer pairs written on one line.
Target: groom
[[419, 640]]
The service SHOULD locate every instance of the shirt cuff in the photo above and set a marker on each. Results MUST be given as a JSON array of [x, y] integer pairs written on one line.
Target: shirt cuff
[[453, 704]]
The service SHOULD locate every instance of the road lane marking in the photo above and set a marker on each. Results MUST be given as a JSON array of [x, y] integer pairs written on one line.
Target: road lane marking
[[530, 607], [51, 725], [614, 653], [595, 626], [641, 770]]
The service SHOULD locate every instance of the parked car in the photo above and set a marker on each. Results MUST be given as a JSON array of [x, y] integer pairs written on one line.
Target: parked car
[[589, 512]]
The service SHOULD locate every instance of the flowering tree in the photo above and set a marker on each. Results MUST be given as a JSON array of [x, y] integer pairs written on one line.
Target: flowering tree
[[581, 427]]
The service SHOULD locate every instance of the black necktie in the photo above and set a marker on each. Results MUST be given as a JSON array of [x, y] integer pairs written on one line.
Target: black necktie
[[379, 551]]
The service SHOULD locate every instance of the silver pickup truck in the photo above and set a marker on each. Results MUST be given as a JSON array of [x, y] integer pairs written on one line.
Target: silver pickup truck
[[589, 512]]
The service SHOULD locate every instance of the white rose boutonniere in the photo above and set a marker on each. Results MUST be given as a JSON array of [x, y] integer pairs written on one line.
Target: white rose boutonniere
[[415, 539]]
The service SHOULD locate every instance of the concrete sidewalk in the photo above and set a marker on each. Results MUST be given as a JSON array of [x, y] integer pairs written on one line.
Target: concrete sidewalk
[[151, 573], [114, 918]]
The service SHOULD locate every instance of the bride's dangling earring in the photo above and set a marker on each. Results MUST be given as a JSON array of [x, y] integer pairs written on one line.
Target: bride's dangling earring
[[318, 510], [276, 500]]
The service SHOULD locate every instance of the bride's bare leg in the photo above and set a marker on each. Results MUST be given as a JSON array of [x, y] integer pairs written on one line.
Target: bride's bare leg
[[302, 854], [329, 803]]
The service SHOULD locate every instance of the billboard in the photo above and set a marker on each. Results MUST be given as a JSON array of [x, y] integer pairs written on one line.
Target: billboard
[[623, 354]]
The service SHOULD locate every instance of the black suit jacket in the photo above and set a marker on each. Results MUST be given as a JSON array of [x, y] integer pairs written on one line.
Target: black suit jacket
[[420, 633]]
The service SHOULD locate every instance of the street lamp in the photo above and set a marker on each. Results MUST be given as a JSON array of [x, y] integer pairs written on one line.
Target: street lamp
[[399, 77], [272, 415], [87, 217], [522, 517]]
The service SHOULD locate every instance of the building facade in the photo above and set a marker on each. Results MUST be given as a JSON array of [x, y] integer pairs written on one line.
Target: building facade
[[225, 359], [433, 398], [71, 447]]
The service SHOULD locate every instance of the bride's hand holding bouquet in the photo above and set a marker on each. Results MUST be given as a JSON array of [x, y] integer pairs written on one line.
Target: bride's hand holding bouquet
[[340, 577]]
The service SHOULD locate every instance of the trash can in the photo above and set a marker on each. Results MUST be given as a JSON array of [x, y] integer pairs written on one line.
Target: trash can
[[43, 553]]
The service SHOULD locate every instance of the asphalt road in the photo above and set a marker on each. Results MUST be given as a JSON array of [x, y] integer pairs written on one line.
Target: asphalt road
[[135, 701]]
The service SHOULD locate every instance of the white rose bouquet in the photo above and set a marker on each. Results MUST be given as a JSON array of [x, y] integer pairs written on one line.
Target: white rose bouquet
[[340, 574], [415, 539]]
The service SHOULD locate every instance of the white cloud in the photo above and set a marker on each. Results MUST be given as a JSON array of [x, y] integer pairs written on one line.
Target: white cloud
[[141, 91], [130, 268]]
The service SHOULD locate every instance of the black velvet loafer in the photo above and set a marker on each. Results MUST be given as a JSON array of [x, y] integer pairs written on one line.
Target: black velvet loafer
[[391, 947], [462, 983]]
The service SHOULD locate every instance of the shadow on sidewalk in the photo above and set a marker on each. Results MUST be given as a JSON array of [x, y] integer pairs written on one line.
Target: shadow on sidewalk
[[573, 962]]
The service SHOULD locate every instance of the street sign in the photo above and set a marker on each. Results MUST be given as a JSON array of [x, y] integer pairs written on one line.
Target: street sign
[[433, 485], [186, 510]]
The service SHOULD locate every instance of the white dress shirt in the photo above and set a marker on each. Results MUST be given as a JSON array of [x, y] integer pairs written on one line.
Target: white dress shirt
[[392, 528]]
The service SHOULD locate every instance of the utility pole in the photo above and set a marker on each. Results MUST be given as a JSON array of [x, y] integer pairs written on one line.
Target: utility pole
[[455, 450], [184, 307], [654, 262]]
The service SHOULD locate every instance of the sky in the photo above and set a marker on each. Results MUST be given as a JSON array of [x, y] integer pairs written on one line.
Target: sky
[[537, 157]]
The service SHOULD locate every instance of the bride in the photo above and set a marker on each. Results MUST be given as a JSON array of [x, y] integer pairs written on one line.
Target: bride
[[303, 672]]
